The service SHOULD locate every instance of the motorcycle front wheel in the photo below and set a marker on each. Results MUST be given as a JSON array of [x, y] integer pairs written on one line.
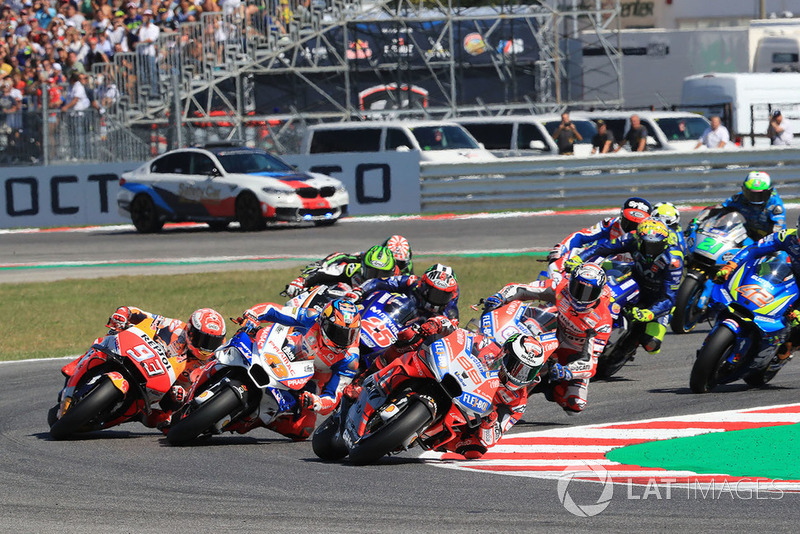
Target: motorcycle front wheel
[[687, 315], [204, 417], [97, 401], [327, 442], [391, 435], [712, 366]]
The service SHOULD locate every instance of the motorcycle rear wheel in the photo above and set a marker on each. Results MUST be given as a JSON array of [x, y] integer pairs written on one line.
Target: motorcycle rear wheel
[[101, 398], [686, 314], [223, 404], [711, 360], [390, 436]]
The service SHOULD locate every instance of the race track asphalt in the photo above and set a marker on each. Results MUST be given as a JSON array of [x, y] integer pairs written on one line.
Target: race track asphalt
[[128, 479]]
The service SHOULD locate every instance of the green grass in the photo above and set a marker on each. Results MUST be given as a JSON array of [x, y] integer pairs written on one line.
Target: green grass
[[62, 318]]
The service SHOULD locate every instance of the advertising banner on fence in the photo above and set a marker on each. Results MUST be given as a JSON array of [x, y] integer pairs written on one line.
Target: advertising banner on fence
[[378, 183], [77, 195]]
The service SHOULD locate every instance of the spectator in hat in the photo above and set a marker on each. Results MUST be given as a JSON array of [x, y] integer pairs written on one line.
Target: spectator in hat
[[715, 136], [780, 130], [603, 141]]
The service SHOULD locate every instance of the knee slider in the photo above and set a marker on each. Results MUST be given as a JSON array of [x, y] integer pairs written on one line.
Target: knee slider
[[653, 336]]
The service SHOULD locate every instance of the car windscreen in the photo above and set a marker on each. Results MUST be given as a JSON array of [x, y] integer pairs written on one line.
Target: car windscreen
[[443, 138], [246, 162], [682, 128], [587, 129]]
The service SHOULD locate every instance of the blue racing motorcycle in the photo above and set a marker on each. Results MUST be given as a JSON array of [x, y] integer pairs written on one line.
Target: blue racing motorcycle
[[751, 306]]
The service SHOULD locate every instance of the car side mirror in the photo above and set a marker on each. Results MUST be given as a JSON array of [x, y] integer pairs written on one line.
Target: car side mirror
[[214, 172], [537, 145]]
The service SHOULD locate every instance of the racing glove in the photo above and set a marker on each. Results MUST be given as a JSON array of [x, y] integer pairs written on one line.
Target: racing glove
[[295, 287], [354, 295], [310, 400], [119, 319], [492, 302], [559, 372], [794, 318], [642, 315], [248, 321], [572, 263], [725, 271]]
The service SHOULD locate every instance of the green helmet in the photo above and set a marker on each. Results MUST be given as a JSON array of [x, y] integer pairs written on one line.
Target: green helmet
[[757, 188], [378, 262]]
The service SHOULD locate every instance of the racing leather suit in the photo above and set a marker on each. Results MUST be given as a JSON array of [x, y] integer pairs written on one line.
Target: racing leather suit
[[333, 369], [605, 230], [407, 285], [582, 336], [760, 220], [658, 280]]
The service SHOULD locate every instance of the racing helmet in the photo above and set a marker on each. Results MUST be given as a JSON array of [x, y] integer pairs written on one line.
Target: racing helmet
[[205, 333], [523, 357], [437, 287], [757, 188], [378, 262], [634, 210], [653, 238], [401, 250], [340, 324], [668, 214], [586, 284]]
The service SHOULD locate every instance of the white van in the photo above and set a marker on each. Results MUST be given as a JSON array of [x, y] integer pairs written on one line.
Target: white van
[[743, 90], [436, 141], [525, 135], [667, 130]]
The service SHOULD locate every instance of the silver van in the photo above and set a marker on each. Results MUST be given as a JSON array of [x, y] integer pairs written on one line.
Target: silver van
[[436, 141]]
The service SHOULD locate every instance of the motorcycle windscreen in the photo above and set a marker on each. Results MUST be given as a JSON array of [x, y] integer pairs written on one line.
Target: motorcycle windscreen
[[763, 290]]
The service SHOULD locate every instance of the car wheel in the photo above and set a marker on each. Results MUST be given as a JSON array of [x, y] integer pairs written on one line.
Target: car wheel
[[144, 215], [218, 226], [248, 212]]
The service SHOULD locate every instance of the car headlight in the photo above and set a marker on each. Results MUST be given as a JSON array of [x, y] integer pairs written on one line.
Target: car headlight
[[341, 189], [277, 192]]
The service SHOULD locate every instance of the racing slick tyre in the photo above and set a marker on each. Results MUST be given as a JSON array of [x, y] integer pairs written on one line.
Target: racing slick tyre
[[98, 401], [392, 435], [144, 215], [711, 366], [204, 417], [686, 313], [327, 442], [248, 212]]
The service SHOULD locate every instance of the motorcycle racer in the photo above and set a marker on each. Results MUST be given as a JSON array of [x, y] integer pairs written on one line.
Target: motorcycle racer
[[782, 241], [667, 213], [376, 262], [584, 325], [760, 205], [193, 342], [657, 268], [634, 210], [434, 293], [331, 339]]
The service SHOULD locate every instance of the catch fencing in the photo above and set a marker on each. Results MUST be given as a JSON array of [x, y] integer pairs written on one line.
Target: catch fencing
[[698, 177]]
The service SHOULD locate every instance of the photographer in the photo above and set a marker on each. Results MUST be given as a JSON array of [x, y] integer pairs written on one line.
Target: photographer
[[565, 135]]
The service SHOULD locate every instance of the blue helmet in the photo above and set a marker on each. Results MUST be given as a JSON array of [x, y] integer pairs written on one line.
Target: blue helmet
[[586, 284]]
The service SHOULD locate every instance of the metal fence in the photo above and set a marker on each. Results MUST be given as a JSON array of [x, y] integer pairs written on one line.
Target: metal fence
[[52, 136], [568, 182]]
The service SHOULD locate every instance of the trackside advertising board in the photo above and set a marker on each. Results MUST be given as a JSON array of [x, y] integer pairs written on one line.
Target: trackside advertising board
[[76, 195]]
